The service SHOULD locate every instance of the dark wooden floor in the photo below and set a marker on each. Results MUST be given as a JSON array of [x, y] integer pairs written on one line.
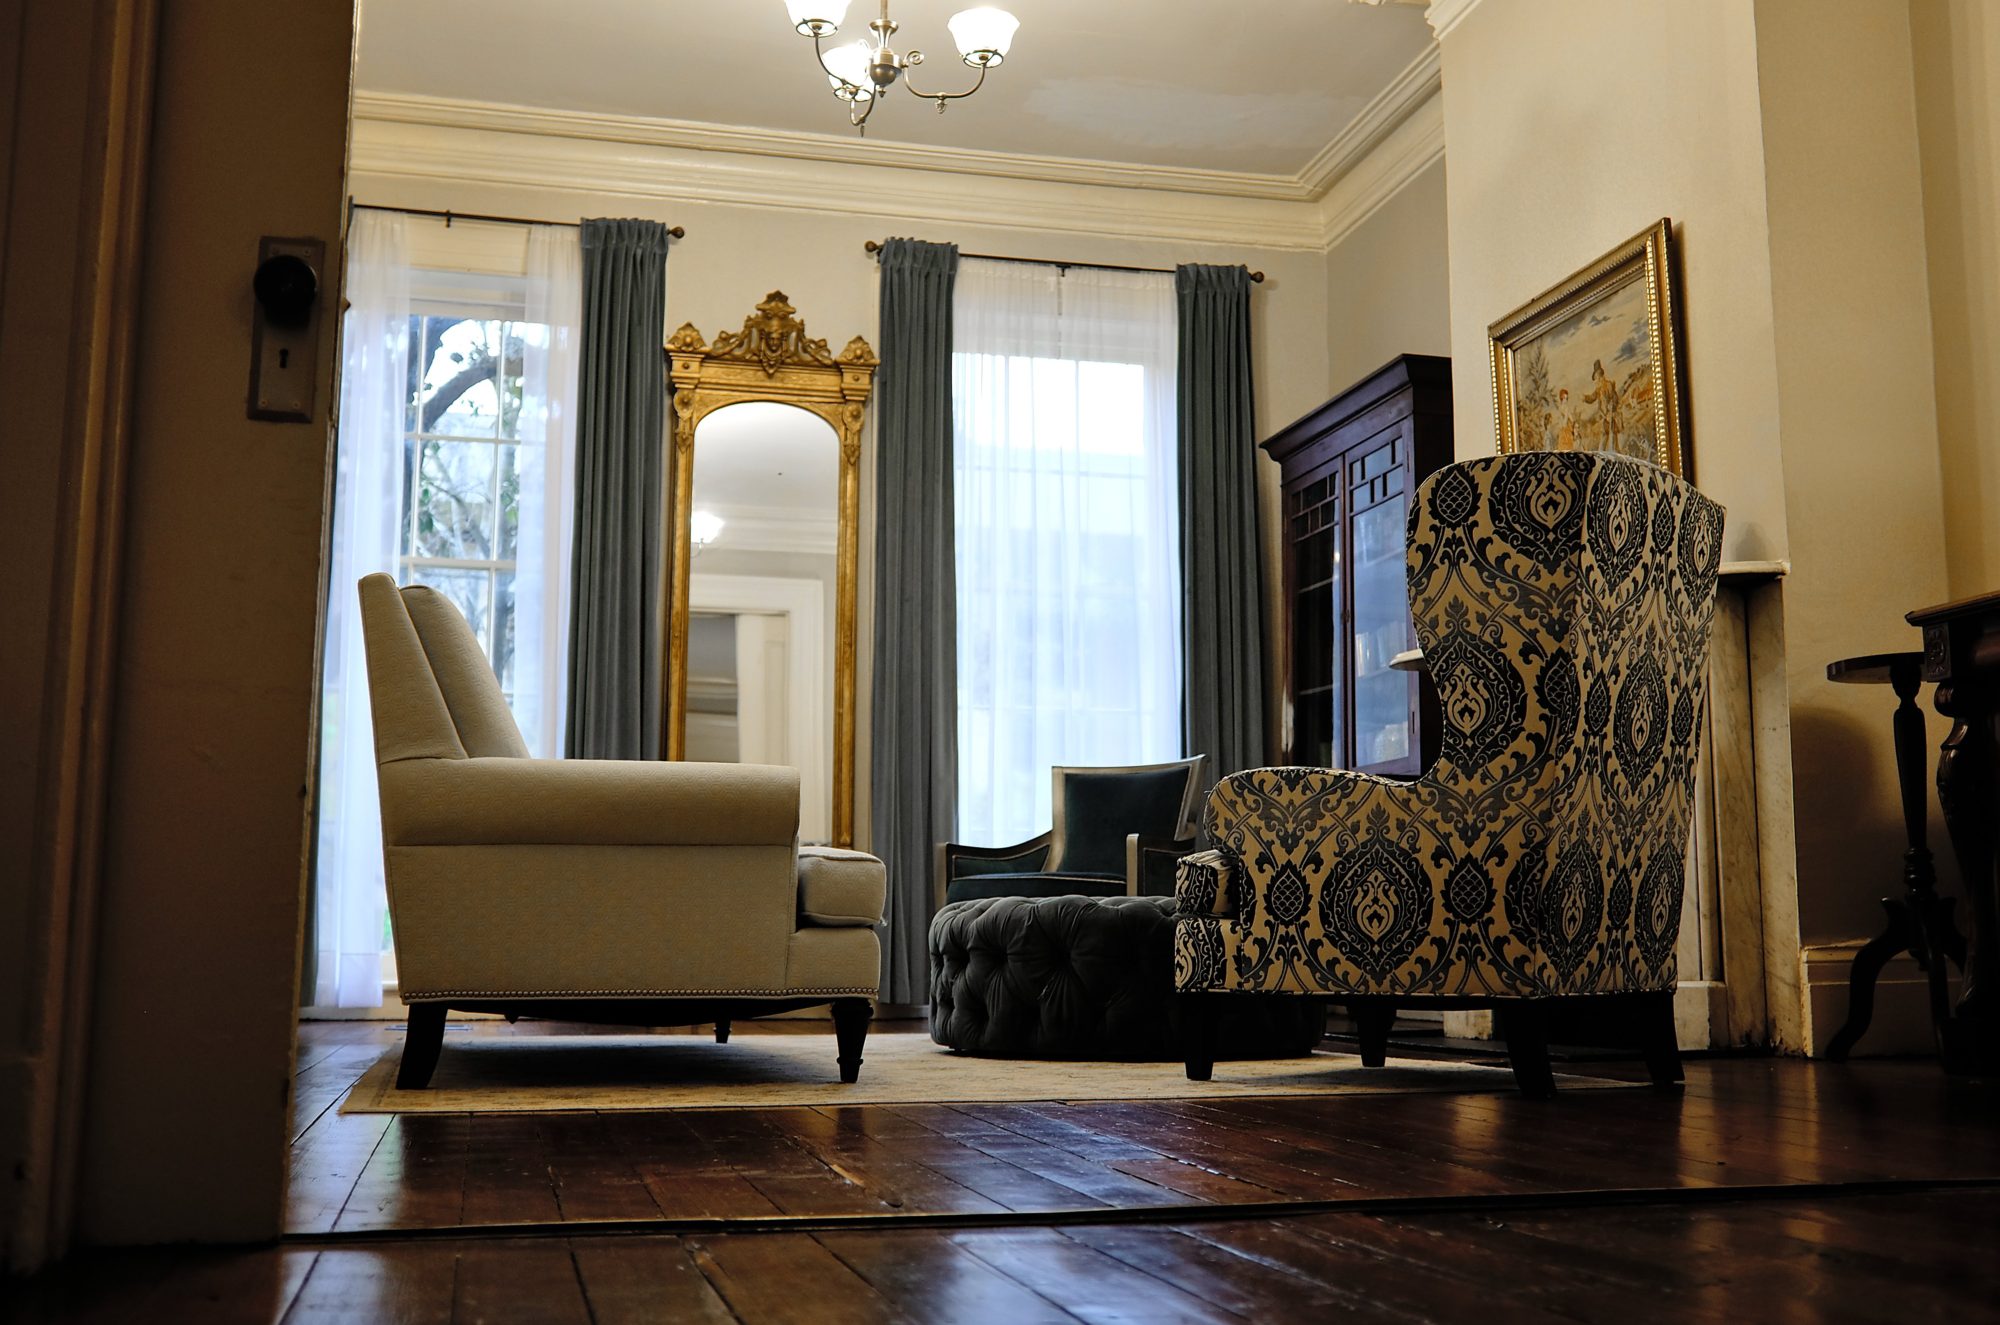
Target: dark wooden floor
[[1769, 1190]]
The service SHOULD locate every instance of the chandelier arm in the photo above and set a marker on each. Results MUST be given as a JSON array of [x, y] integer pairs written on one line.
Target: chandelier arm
[[819, 53], [942, 97]]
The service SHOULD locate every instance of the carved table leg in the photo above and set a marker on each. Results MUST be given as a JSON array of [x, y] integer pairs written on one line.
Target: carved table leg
[[1868, 964]]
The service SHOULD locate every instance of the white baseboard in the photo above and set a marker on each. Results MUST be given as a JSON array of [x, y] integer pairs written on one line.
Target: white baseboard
[[1902, 1022]]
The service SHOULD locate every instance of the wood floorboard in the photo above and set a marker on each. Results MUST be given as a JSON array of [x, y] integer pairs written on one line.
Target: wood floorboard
[[1740, 1122], [1839, 1258]]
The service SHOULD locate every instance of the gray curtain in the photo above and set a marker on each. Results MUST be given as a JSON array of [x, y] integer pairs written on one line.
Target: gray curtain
[[1223, 609], [914, 749], [614, 624]]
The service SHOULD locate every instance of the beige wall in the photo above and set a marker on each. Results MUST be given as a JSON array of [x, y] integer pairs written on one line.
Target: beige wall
[[1571, 126], [1781, 139], [1857, 424], [733, 255], [1957, 51], [197, 962], [1388, 284]]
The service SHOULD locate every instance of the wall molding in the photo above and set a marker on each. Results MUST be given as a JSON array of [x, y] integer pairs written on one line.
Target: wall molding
[[1409, 92], [1444, 15], [1391, 162], [400, 136]]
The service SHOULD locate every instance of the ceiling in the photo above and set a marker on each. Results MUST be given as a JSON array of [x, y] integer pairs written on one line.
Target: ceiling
[[1260, 86]]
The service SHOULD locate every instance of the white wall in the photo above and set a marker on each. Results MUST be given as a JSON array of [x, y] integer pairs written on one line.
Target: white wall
[[1957, 51], [1388, 285]]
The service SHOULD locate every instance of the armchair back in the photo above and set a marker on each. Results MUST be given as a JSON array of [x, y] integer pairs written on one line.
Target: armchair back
[[1563, 601], [430, 689]]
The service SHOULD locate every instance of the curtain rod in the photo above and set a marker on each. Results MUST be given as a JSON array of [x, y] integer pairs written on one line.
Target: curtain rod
[[449, 216], [875, 246]]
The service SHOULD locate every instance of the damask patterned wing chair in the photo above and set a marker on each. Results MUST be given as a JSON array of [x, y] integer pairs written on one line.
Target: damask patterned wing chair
[[1563, 602]]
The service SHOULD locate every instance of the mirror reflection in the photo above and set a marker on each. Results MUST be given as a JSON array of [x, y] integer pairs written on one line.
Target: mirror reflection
[[764, 526]]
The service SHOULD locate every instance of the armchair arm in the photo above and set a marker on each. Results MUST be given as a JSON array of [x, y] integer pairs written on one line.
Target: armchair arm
[[1206, 883], [955, 860], [1150, 861], [587, 802]]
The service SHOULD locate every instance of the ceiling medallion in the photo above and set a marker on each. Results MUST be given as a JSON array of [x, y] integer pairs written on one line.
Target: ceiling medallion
[[861, 71]]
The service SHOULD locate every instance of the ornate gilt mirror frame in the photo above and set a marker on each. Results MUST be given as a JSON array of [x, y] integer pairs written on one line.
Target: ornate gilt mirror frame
[[771, 359]]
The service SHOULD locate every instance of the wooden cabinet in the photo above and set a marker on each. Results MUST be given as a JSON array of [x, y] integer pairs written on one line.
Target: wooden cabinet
[[1350, 468]]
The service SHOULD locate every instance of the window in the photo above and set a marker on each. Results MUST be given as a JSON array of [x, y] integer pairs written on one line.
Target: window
[[461, 517], [1067, 542]]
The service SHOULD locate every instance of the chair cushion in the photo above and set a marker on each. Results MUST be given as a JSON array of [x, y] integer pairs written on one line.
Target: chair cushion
[[1034, 885], [1099, 810], [841, 888], [1085, 977]]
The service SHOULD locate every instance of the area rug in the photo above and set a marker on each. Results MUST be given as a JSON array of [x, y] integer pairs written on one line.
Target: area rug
[[533, 1074]]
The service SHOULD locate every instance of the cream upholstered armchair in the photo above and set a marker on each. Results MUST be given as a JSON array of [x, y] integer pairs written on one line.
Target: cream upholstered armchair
[[1563, 602], [637, 893]]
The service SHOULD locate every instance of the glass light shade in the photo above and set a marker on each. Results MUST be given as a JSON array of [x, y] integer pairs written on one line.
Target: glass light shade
[[703, 526], [816, 17], [983, 34], [850, 63]]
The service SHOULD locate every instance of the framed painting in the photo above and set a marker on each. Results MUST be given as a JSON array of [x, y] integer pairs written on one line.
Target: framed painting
[[1594, 364]]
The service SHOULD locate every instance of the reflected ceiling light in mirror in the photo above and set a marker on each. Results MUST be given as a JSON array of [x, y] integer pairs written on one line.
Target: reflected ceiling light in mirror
[[703, 527], [857, 72]]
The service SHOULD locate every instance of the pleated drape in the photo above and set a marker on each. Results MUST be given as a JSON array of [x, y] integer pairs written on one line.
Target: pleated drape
[[615, 628], [1223, 617], [914, 749]]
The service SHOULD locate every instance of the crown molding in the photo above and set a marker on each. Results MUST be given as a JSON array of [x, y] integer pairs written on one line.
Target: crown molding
[[1444, 15], [699, 136], [1396, 135], [1407, 93], [773, 529], [402, 149]]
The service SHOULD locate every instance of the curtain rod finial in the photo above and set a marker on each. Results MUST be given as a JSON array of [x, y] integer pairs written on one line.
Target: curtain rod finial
[[1257, 276], [871, 246], [680, 232]]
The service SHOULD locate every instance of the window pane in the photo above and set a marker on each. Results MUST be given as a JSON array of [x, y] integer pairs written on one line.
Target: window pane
[[508, 459], [458, 396], [511, 338], [502, 654], [455, 510]]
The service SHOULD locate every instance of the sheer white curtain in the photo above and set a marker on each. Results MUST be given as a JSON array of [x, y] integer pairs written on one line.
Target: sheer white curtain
[[349, 898], [1068, 532], [547, 463], [373, 468]]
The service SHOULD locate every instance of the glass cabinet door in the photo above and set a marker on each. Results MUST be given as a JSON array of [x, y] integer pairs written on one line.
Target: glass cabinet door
[[1314, 527], [1384, 714]]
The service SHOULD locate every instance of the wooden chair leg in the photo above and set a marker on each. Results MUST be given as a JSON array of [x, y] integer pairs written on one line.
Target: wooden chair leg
[[850, 1028], [1658, 1039], [1374, 1021], [1199, 1018], [1524, 1024], [421, 1045], [722, 1030]]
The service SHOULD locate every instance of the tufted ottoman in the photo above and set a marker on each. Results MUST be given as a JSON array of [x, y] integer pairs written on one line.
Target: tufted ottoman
[[1085, 977]]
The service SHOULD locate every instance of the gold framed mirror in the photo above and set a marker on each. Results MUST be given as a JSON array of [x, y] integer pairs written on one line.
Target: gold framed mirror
[[749, 610]]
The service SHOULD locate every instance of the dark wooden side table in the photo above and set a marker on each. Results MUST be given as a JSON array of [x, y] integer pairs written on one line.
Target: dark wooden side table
[[1920, 922], [1962, 655]]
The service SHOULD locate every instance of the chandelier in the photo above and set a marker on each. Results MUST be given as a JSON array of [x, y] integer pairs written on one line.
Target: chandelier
[[861, 71]]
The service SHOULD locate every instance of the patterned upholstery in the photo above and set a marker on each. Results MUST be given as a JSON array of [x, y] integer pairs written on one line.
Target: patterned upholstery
[[1563, 602]]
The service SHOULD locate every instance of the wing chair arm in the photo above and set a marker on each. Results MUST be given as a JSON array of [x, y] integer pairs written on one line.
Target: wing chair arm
[[587, 802], [1208, 883], [955, 860], [1150, 861]]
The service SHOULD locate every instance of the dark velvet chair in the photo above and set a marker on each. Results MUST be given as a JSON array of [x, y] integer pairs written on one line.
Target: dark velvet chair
[[1118, 832]]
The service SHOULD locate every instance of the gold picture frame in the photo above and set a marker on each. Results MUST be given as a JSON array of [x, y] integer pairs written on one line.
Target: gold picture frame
[[1551, 388]]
